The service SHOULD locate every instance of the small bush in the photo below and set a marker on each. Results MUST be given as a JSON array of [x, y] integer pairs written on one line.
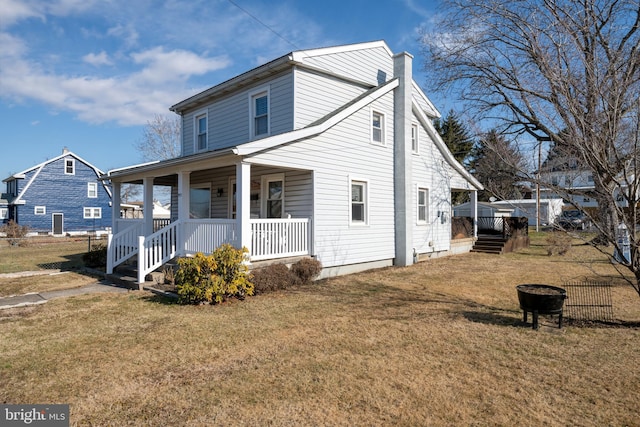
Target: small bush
[[558, 243], [273, 278], [15, 233], [213, 278], [307, 269], [96, 257]]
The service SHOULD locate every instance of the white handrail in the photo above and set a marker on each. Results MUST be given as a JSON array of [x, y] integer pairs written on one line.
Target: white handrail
[[157, 249], [123, 245]]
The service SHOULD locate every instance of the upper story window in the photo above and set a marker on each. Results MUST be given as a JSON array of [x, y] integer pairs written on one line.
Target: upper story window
[[92, 190], [414, 138], [201, 132], [590, 178], [69, 166], [377, 127], [260, 113], [358, 202]]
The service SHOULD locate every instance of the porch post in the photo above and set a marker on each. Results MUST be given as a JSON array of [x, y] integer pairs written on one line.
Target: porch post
[[115, 206], [243, 204], [473, 207], [147, 202], [184, 184]]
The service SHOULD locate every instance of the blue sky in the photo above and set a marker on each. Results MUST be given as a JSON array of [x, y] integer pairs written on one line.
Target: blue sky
[[88, 74]]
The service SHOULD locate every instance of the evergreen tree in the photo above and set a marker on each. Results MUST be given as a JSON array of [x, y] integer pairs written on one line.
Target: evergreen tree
[[495, 162], [455, 136]]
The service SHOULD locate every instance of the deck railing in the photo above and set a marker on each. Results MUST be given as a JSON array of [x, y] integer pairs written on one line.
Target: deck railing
[[157, 249]]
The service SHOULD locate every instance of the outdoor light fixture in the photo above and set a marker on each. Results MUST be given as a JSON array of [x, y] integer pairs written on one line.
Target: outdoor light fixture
[[220, 191]]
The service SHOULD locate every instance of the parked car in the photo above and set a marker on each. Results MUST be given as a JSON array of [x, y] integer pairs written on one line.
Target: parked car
[[574, 219]]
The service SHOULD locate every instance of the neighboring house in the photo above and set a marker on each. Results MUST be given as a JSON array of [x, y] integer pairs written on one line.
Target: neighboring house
[[326, 152], [62, 195], [484, 209], [549, 210]]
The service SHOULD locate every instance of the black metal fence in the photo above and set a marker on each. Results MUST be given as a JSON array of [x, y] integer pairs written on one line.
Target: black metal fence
[[588, 301]]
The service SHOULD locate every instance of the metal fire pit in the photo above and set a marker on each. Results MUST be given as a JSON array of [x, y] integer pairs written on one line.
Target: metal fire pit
[[541, 299]]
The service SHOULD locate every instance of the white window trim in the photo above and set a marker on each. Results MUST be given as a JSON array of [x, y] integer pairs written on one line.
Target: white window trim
[[266, 179], [252, 96], [196, 117], [73, 166], [39, 210], [92, 188], [383, 125], [356, 180], [420, 188], [416, 149], [94, 212], [4, 213]]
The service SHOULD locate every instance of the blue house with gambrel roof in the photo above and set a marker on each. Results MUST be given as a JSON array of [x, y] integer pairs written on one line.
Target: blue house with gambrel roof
[[62, 195]]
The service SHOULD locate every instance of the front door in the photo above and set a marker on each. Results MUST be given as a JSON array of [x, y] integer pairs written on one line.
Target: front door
[[57, 223]]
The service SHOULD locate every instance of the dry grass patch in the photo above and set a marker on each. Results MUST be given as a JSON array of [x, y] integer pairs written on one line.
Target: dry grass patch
[[438, 343]]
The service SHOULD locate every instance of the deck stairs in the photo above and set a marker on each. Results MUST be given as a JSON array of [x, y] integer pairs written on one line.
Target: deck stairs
[[489, 244]]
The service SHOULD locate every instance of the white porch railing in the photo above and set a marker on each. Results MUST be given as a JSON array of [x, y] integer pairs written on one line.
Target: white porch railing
[[124, 244], [205, 235], [278, 238], [270, 239]]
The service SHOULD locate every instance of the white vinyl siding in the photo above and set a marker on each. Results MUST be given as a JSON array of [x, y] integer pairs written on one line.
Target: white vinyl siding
[[92, 190], [92, 212], [331, 158], [40, 210]]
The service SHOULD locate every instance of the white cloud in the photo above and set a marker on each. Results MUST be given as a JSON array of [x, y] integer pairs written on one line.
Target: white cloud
[[96, 60], [162, 66], [126, 32], [12, 11]]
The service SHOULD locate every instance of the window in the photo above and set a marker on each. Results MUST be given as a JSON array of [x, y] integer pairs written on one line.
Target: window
[[590, 178], [377, 127], [92, 213], [273, 186], [69, 166], [40, 210], [358, 202], [414, 138], [92, 190], [200, 202], [260, 113], [201, 132], [423, 205], [4, 213], [233, 189]]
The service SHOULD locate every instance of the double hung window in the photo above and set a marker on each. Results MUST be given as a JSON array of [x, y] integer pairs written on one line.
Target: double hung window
[[260, 113], [201, 132], [92, 212], [377, 127], [358, 202], [423, 205]]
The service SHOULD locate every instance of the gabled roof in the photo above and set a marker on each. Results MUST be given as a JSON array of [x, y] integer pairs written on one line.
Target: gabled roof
[[39, 167]]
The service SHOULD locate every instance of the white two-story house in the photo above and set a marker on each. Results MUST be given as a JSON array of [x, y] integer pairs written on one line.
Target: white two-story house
[[328, 152]]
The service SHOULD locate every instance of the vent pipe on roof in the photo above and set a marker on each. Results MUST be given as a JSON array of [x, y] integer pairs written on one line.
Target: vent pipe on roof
[[65, 150]]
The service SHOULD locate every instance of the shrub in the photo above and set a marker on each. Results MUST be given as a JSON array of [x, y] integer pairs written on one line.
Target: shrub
[[307, 269], [558, 243], [96, 257], [213, 278], [15, 233], [273, 278]]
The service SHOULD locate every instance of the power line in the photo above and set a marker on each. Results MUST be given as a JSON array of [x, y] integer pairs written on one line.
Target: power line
[[255, 18]]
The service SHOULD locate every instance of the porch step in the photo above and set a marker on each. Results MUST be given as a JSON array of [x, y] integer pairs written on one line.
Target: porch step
[[489, 245], [126, 275]]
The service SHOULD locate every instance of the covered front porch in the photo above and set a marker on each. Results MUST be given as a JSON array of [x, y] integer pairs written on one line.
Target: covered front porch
[[264, 209]]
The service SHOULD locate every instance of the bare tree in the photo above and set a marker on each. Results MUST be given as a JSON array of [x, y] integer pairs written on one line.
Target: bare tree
[[565, 71], [160, 138]]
